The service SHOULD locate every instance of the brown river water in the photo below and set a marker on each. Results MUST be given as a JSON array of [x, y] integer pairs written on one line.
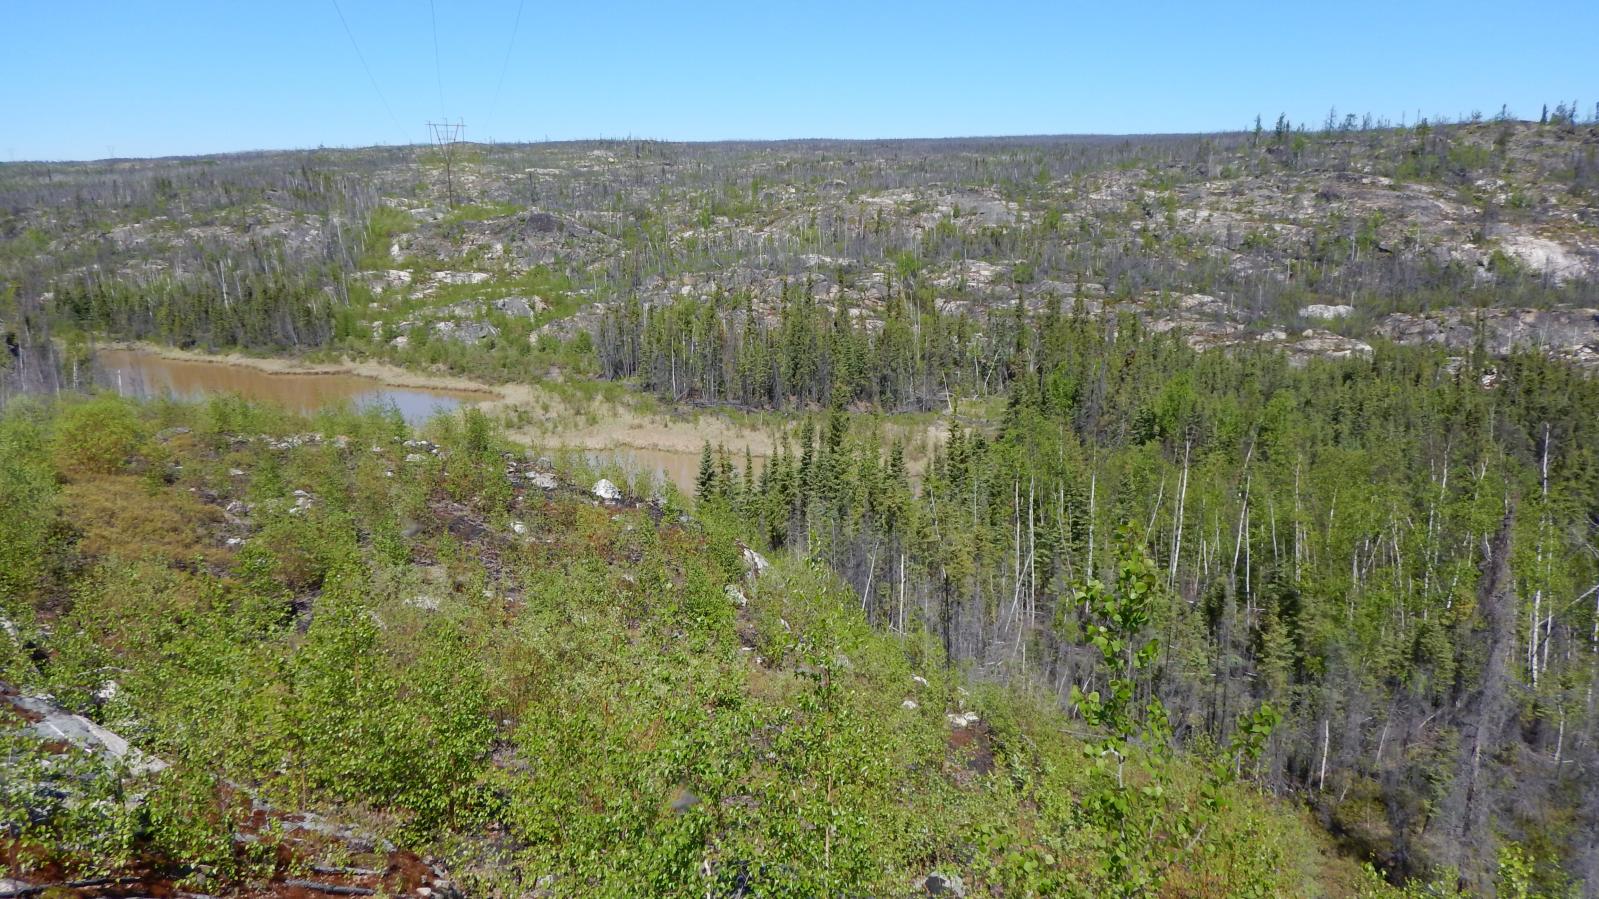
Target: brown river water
[[144, 374], [135, 373]]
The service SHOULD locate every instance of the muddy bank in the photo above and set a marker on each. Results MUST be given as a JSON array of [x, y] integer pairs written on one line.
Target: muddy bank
[[630, 435], [142, 374], [605, 432], [389, 375]]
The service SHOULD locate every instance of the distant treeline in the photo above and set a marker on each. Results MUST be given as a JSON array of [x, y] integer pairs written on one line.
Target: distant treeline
[[724, 350]]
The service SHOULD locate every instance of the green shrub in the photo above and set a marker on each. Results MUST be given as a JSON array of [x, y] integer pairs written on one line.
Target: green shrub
[[98, 436]]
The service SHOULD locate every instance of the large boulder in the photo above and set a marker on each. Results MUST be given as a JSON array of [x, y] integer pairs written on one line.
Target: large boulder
[[607, 491], [941, 884], [52, 722], [520, 307], [755, 564], [542, 223], [460, 277], [1322, 310], [386, 279]]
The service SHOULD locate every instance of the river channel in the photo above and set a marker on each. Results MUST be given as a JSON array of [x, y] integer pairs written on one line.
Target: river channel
[[140, 373]]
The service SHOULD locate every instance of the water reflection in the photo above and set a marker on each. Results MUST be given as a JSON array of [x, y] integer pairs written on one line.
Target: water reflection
[[140, 374], [133, 373]]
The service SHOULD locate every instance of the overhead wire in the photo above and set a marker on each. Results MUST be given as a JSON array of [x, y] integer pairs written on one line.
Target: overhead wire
[[369, 76], [438, 67], [506, 64]]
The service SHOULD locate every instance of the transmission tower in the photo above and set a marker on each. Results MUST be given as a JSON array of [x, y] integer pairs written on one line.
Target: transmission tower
[[446, 135]]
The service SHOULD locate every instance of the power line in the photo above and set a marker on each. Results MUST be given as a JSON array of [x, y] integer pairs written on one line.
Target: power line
[[438, 68], [506, 65], [445, 136], [369, 76]]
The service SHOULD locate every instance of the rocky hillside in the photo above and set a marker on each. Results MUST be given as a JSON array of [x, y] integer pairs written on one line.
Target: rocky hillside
[[1481, 233], [1260, 514]]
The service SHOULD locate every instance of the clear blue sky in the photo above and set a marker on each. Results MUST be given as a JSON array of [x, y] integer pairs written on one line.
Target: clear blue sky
[[87, 78]]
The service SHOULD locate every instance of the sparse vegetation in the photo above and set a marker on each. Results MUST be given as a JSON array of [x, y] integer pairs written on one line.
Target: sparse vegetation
[[536, 687], [1189, 515]]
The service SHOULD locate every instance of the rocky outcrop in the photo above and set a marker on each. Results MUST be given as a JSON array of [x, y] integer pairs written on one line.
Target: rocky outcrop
[[941, 884], [1560, 262], [1315, 343], [305, 840], [755, 564], [469, 331], [461, 277], [1321, 310], [1572, 334], [50, 721], [520, 307]]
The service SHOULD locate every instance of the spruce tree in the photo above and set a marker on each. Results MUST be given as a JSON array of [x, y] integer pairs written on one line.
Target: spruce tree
[[705, 482]]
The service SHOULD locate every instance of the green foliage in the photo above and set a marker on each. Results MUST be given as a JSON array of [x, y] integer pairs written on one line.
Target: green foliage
[[387, 649], [192, 815], [723, 351], [382, 226], [27, 508], [1131, 797], [97, 436], [1290, 602], [62, 799], [1129, 815], [1251, 485], [478, 212], [1116, 622]]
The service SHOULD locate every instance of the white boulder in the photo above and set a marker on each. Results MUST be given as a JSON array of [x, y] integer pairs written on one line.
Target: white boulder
[[1322, 310]]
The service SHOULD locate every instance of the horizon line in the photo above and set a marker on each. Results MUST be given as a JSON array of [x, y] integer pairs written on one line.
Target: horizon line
[[1302, 127]]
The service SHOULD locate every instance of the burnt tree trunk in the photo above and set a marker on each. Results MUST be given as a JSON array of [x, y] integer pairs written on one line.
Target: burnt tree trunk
[[1467, 839]]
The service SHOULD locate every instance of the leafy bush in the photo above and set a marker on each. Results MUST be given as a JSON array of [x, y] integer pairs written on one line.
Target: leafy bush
[[96, 436]]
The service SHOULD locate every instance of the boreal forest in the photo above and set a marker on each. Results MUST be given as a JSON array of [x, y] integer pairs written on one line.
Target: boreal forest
[[1185, 515]]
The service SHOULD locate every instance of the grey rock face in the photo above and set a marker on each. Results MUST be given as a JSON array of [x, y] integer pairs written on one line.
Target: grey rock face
[[542, 223], [1558, 261], [755, 563], [55, 723], [1316, 343], [465, 332], [461, 277], [1568, 333], [520, 307], [1322, 310], [939, 884]]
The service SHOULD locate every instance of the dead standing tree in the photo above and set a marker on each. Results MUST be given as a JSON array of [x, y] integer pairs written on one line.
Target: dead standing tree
[[1467, 840]]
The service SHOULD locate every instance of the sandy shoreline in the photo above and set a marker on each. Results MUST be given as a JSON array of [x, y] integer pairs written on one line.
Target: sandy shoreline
[[382, 372], [544, 419]]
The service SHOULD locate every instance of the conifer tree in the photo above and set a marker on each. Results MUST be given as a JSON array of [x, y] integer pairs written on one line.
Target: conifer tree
[[705, 484]]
